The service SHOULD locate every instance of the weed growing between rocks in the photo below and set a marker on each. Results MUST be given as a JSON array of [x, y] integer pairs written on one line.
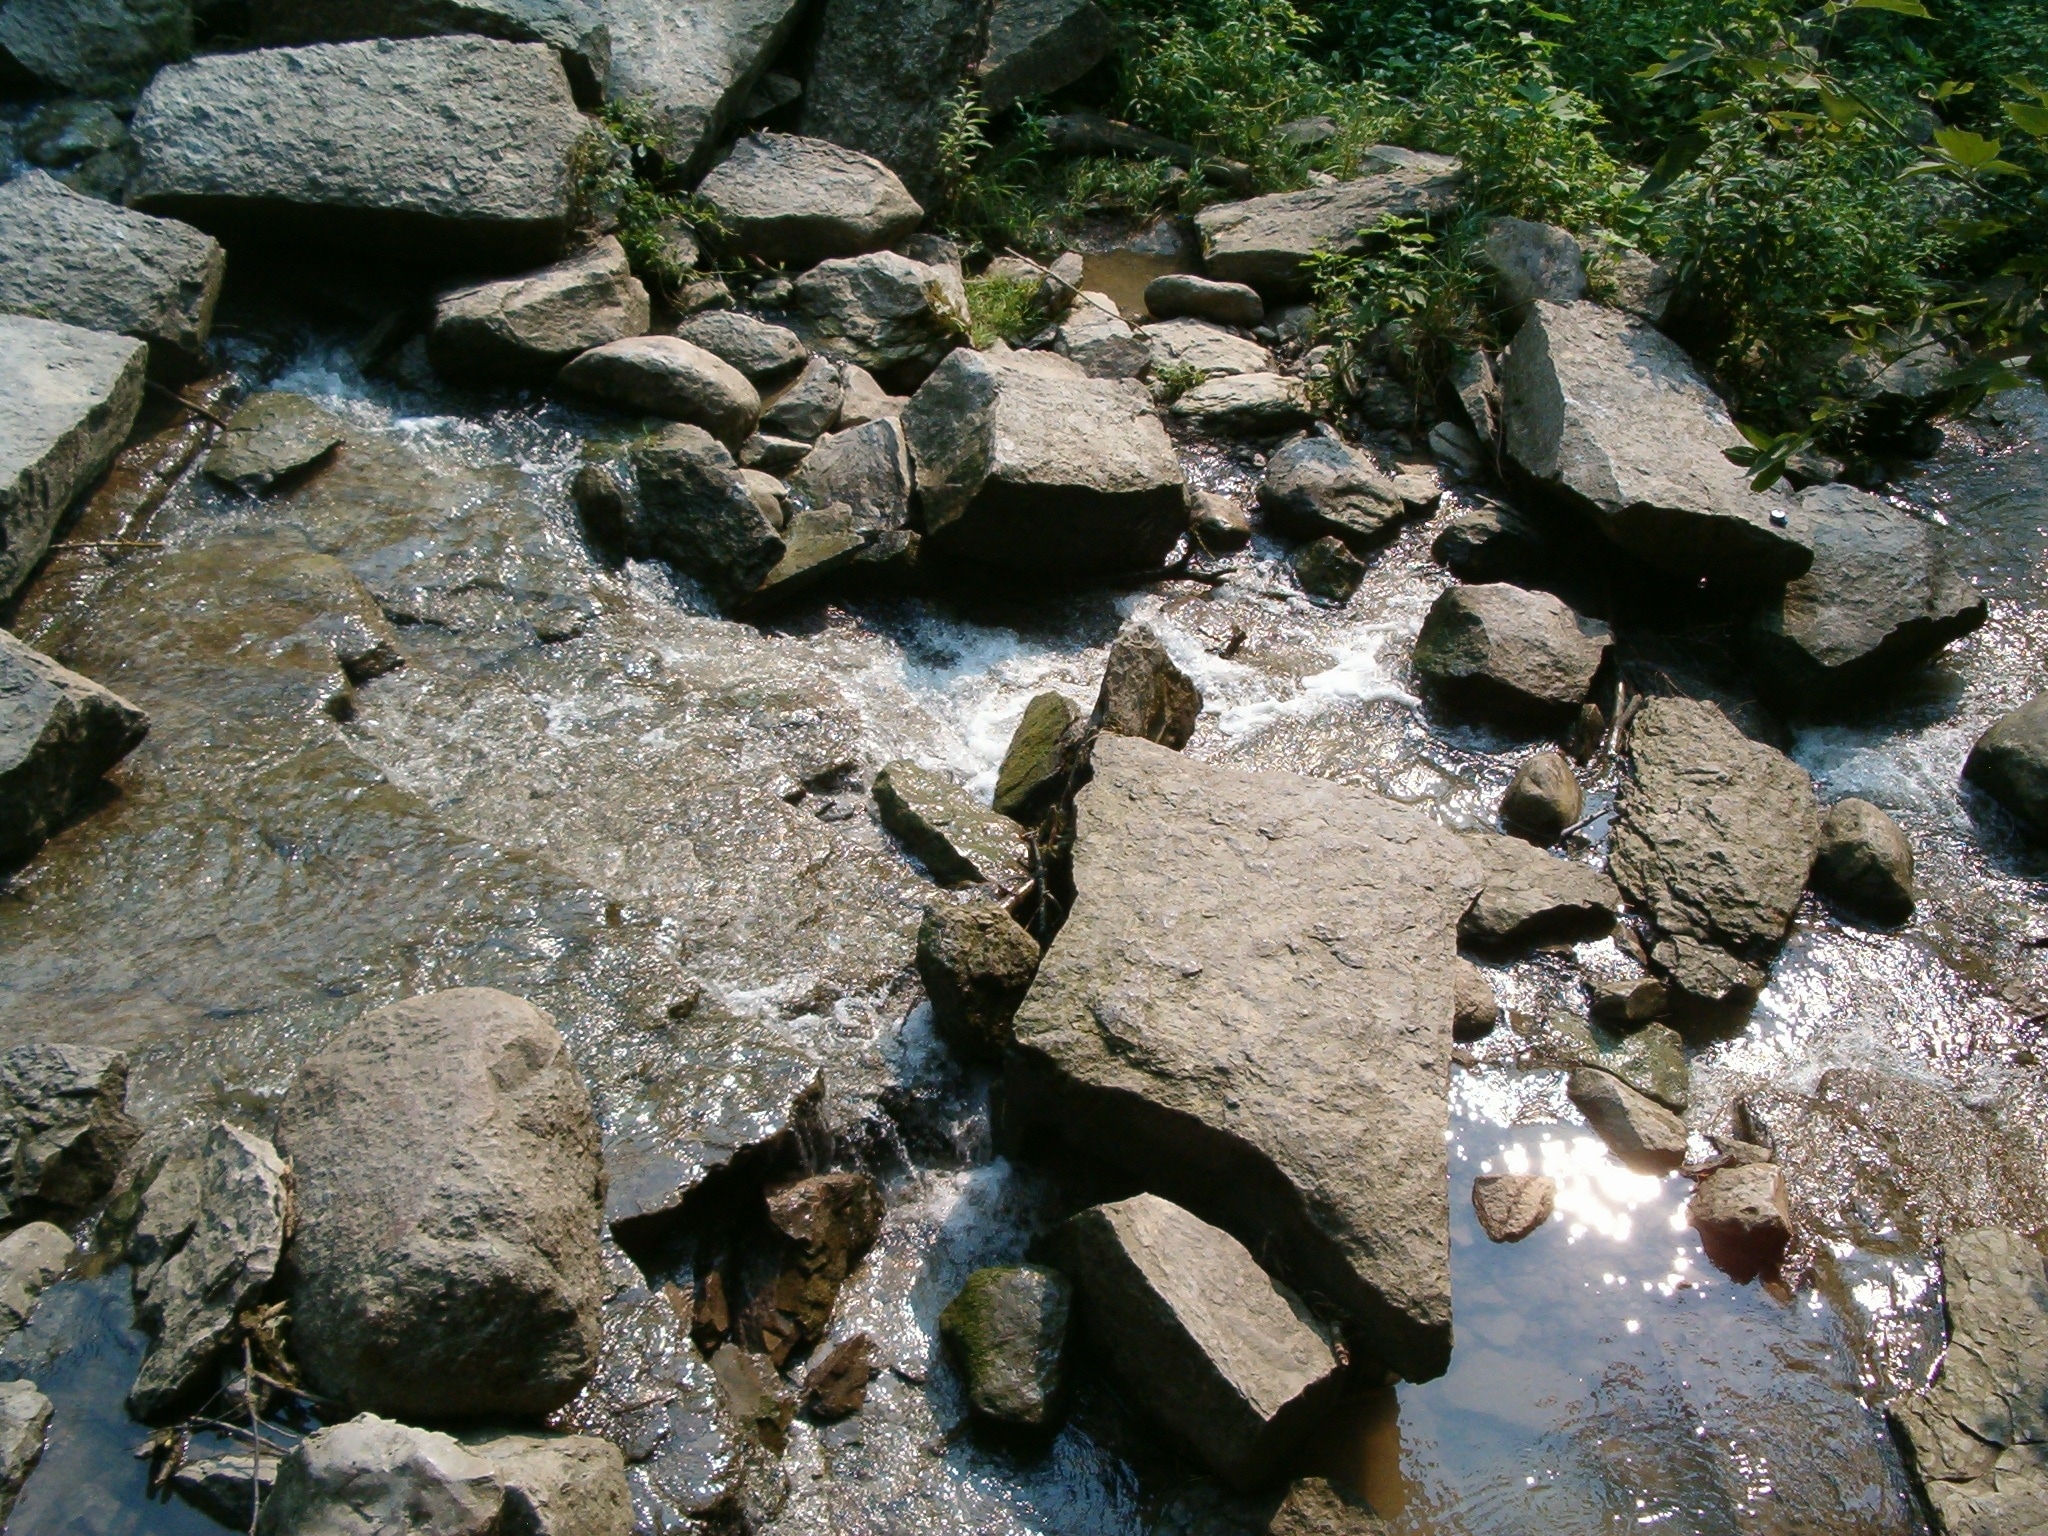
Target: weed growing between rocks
[[625, 174], [1002, 308]]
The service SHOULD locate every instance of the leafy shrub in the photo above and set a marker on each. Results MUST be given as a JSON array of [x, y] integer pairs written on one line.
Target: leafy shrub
[[1003, 308], [1410, 305]]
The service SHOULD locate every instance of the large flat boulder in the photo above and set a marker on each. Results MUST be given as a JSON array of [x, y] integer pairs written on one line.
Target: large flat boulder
[[1209, 349], [450, 1193], [1249, 1012], [440, 151], [1038, 46], [1879, 599], [59, 733], [1266, 242], [572, 27], [1975, 1438], [68, 398], [93, 47], [2009, 762], [522, 328], [1025, 464], [796, 202], [885, 313], [693, 66], [90, 263], [1715, 834], [1611, 417], [1199, 1335], [883, 75]]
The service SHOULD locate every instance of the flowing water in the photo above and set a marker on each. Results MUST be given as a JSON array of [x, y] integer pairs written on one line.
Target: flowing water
[[585, 788]]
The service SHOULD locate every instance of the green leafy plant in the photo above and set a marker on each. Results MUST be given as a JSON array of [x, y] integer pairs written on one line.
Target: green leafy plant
[[1172, 380], [1004, 308], [623, 172], [1411, 304]]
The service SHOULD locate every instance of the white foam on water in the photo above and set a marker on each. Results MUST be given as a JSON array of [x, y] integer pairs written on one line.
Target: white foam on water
[[1357, 676]]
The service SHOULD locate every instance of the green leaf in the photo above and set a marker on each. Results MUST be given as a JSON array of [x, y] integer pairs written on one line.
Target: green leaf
[[1896, 7], [1968, 149], [2028, 117], [1679, 157], [1843, 110], [1759, 439], [1684, 59]]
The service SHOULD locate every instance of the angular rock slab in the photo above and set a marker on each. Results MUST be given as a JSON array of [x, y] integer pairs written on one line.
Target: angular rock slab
[[94, 47], [1249, 1011], [1715, 834], [1975, 1439], [527, 327], [2009, 762], [222, 1262], [1266, 242], [271, 437], [558, 1485], [1143, 693], [68, 398], [570, 26], [446, 151], [1638, 1130], [1530, 896], [64, 1119], [693, 65], [1038, 46], [975, 962], [1200, 1335], [1245, 405], [894, 317], [1879, 600], [958, 840], [24, 1421], [369, 1476], [795, 202], [1025, 465], [1613, 418], [1314, 1506], [450, 1189], [107, 268], [1201, 345], [59, 733]]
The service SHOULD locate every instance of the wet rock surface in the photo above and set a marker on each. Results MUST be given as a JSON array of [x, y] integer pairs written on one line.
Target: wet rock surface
[[1716, 834], [1315, 1506], [1007, 1330], [1743, 1217], [1144, 694], [446, 150], [65, 1124], [1326, 568], [959, 841], [1527, 896], [1040, 756], [1029, 465], [1508, 653], [456, 1119], [1973, 1436], [1865, 861], [1542, 799], [2009, 762], [1510, 1206], [272, 436], [89, 263], [975, 962], [59, 733], [796, 202], [526, 327], [1317, 485], [1196, 1331], [1613, 418], [68, 398], [1637, 1129], [24, 1422], [1296, 959]]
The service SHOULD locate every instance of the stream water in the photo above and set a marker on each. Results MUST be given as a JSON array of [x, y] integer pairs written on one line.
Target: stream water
[[585, 788]]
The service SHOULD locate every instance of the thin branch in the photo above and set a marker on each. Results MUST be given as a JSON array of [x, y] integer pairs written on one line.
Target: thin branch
[[255, 1456], [1079, 292], [177, 399]]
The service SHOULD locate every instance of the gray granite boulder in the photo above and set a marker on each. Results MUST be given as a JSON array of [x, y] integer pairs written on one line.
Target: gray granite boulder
[[1007, 1331], [219, 1254], [107, 268], [65, 1124], [1266, 242], [1245, 405], [1974, 1438], [819, 544], [94, 47], [1318, 484], [884, 73], [572, 27], [68, 398], [1200, 1337], [59, 733], [1203, 298], [2009, 762], [767, 354], [1534, 261], [1512, 1205], [975, 963], [31, 1258], [1879, 600], [1039, 46], [1143, 693], [1531, 896], [1249, 1011], [694, 66], [795, 202], [1612, 418], [1203, 346], [558, 1485], [24, 1422], [1865, 861], [1715, 834], [444, 151], [1025, 465], [958, 840], [1101, 341], [450, 1194], [1638, 1130], [526, 327], [864, 468], [678, 496], [891, 316], [271, 437], [1509, 653], [369, 1476], [668, 376], [809, 407]]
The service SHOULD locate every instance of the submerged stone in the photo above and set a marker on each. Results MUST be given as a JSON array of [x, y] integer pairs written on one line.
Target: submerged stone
[[1301, 934], [271, 437], [1007, 1330]]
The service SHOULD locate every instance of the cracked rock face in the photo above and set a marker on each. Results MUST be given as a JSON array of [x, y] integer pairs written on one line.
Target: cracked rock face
[[1976, 1439], [59, 732], [1249, 1012]]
